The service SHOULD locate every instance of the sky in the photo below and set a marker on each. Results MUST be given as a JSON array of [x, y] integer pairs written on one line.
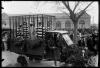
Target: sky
[[31, 7]]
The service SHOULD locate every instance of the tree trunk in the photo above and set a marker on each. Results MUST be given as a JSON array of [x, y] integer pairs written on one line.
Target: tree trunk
[[75, 32]]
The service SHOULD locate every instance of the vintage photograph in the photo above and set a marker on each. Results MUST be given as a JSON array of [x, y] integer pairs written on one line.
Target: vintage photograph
[[49, 33]]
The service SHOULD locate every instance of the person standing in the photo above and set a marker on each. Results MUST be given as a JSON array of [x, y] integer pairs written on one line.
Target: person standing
[[4, 40]]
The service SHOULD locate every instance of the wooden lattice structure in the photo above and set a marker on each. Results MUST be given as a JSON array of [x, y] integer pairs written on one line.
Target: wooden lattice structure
[[28, 26]]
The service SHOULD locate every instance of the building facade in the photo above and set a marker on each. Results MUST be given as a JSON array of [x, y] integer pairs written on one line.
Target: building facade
[[5, 21], [64, 22], [50, 21]]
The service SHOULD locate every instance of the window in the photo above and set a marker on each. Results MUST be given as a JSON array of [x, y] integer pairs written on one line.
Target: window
[[48, 24], [67, 24], [81, 23], [40, 22], [58, 24]]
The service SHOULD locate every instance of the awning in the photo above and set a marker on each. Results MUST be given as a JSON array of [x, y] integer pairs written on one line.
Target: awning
[[67, 39]]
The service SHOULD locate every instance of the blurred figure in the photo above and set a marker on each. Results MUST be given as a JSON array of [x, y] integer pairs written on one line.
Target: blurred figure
[[79, 42], [80, 35], [90, 43], [83, 42], [71, 36], [95, 41], [4, 40]]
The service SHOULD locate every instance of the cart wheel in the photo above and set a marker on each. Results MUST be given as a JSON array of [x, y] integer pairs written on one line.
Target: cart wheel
[[22, 60], [38, 59], [30, 58], [2, 60]]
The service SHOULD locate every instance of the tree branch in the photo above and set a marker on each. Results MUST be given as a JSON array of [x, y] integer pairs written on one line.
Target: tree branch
[[84, 10], [76, 6], [72, 15], [65, 13], [67, 6]]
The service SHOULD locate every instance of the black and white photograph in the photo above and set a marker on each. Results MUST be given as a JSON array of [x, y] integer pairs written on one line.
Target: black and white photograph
[[49, 33]]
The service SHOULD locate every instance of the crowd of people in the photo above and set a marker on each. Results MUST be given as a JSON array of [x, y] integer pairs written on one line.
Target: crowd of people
[[90, 41]]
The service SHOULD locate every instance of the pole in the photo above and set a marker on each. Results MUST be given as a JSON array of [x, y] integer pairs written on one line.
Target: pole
[[42, 26], [37, 26], [55, 62], [10, 26]]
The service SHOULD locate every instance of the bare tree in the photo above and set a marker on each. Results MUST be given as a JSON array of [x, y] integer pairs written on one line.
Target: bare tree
[[73, 15]]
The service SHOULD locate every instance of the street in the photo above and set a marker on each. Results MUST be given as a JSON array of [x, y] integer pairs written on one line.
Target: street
[[49, 34], [10, 60]]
